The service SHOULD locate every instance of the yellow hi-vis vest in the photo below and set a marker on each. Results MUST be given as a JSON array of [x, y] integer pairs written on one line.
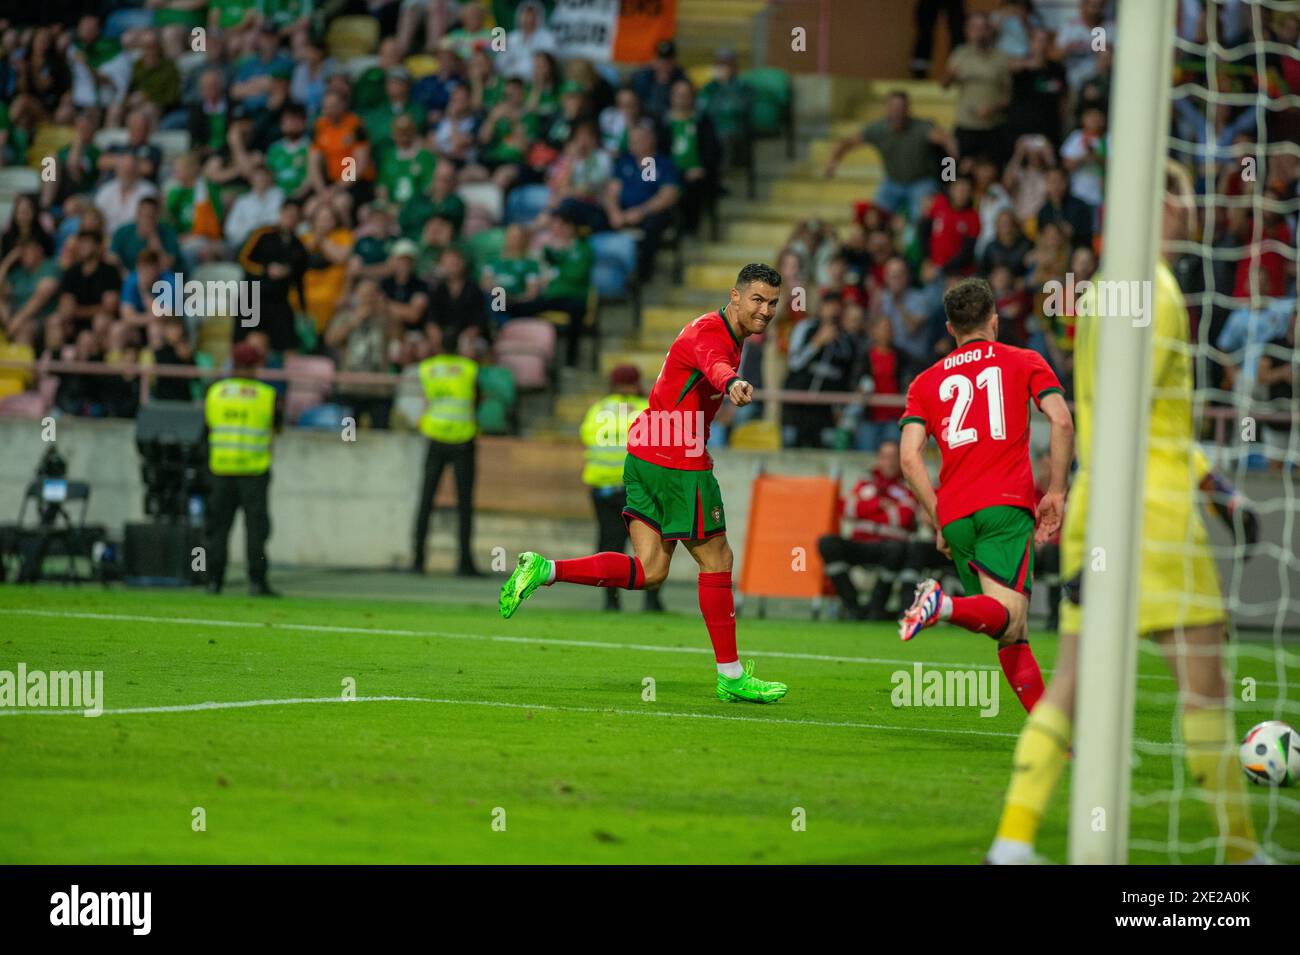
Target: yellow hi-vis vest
[[449, 383], [240, 413], [604, 432]]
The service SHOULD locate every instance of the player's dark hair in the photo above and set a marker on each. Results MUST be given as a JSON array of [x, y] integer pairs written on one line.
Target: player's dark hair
[[968, 305], [758, 272]]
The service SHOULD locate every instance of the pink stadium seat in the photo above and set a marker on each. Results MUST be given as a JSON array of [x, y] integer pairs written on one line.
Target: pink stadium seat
[[307, 394], [30, 404], [529, 371], [527, 336]]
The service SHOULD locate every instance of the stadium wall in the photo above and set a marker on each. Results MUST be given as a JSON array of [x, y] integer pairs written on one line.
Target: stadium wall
[[341, 504]]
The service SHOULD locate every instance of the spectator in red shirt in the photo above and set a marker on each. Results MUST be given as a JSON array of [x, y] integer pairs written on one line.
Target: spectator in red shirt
[[954, 225], [1265, 257], [881, 376], [883, 536]]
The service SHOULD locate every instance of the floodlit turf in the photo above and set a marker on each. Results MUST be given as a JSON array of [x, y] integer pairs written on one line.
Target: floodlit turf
[[541, 716]]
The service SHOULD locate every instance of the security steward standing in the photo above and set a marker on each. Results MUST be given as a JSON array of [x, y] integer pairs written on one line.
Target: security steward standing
[[450, 383], [604, 434], [241, 415]]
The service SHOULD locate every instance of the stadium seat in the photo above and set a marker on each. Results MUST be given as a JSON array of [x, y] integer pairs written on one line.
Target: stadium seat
[[358, 65], [525, 203], [615, 259], [49, 139], [111, 136], [755, 436], [613, 272], [120, 21], [324, 417], [304, 394], [420, 65], [350, 37], [172, 142], [16, 180], [527, 336], [700, 75], [218, 272], [529, 371], [772, 111], [485, 196], [30, 404]]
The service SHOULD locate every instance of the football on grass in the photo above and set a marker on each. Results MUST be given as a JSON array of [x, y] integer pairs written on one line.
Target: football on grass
[[1270, 754]]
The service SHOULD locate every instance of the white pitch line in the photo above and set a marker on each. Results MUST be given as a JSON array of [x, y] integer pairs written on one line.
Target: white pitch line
[[246, 704], [548, 641]]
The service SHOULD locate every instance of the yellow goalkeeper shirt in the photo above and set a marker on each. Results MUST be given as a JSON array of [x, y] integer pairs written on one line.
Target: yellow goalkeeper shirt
[[1179, 583]]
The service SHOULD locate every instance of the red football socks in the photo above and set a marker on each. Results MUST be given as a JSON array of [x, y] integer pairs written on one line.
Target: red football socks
[[608, 569], [719, 609], [1022, 672], [979, 614]]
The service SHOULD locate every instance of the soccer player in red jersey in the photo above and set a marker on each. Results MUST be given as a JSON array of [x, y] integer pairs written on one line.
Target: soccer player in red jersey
[[672, 494], [975, 402]]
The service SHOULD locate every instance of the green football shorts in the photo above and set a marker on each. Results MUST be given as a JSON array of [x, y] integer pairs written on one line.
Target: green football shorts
[[680, 505], [999, 541]]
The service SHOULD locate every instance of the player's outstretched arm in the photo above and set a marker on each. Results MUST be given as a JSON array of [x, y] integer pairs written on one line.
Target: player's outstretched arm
[[1060, 452]]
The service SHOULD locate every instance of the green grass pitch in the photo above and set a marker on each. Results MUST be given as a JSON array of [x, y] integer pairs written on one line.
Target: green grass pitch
[[541, 716]]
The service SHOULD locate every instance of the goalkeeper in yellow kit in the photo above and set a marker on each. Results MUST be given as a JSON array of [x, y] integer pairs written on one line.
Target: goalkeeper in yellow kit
[[1181, 606]]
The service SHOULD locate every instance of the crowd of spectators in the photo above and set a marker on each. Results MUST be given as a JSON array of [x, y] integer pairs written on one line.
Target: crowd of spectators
[[340, 187], [1013, 193]]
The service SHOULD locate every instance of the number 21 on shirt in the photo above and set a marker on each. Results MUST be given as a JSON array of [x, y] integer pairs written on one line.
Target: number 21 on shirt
[[963, 389]]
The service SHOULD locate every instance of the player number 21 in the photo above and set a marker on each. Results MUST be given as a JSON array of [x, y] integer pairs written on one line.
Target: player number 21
[[990, 379]]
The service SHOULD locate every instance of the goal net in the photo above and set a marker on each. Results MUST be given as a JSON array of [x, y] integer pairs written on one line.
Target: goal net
[[1234, 125]]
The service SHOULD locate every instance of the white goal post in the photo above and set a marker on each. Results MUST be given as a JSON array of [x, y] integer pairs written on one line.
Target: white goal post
[[1107, 661]]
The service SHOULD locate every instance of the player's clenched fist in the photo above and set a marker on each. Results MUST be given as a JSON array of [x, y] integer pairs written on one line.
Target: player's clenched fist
[[741, 393]]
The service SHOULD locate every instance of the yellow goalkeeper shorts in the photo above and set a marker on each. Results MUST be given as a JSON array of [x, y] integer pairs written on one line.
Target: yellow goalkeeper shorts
[[1179, 583]]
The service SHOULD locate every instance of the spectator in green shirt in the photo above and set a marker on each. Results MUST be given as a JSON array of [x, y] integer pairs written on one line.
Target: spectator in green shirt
[[76, 164], [513, 275], [146, 232], [231, 14], [406, 169], [287, 157], [155, 76], [695, 152], [726, 100], [441, 200], [570, 259], [29, 285], [397, 104]]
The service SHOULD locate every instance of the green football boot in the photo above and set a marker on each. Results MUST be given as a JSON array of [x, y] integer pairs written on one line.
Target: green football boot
[[530, 573], [746, 687]]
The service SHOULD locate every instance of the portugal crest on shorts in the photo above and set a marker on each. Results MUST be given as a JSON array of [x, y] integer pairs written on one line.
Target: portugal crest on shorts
[[716, 514]]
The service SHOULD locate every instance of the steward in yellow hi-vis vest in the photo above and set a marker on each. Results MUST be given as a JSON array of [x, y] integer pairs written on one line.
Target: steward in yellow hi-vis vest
[[240, 412], [604, 437], [450, 383]]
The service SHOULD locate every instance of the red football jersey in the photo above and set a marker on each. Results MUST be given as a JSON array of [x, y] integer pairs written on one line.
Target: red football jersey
[[976, 404], [699, 368]]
